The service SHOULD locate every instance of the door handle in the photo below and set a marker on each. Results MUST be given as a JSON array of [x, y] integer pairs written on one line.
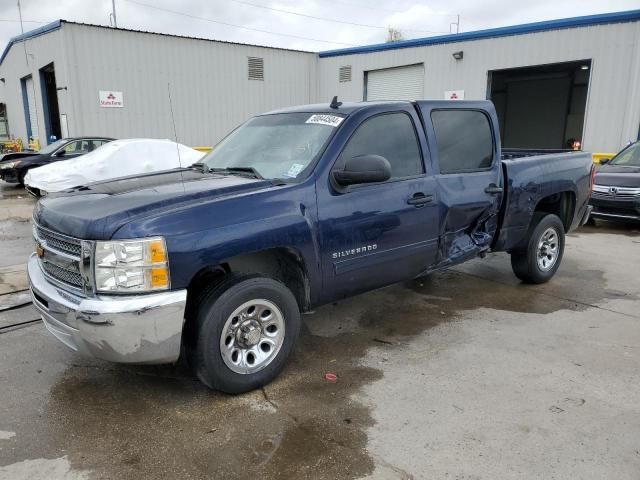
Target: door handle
[[420, 199], [493, 189]]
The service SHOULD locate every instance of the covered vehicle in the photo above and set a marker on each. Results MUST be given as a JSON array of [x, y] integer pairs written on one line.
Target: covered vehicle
[[14, 166], [616, 193], [117, 159]]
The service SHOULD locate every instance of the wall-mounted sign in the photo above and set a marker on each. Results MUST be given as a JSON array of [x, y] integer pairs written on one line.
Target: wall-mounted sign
[[454, 95], [111, 99]]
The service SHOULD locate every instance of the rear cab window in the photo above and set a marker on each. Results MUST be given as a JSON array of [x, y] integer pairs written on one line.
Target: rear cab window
[[464, 140]]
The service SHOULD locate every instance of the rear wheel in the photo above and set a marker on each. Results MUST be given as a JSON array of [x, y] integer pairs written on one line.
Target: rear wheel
[[246, 328], [539, 258]]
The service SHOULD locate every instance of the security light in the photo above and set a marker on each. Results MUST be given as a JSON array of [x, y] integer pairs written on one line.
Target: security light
[[458, 55]]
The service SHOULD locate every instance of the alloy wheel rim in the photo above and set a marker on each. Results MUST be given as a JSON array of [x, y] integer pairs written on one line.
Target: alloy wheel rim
[[252, 336], [548, 249]]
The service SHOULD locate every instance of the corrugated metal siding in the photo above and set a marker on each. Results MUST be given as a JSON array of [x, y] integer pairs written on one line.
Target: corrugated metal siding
[[212, 94], [400, 83], [210, 88], [613, 104], [41, 51]]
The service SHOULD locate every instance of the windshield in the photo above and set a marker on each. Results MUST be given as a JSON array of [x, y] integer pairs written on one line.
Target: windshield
[[629, 157], [275, 146], [53, 146]]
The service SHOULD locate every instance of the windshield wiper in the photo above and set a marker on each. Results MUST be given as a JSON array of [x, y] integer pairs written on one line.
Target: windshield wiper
[[199, 166], [244, 171]]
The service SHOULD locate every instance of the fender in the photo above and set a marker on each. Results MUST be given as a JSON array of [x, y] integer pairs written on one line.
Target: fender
[[208, 233]]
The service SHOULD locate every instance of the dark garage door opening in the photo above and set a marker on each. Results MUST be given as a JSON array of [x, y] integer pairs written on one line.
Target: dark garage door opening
[[50, 102], [541, 107]]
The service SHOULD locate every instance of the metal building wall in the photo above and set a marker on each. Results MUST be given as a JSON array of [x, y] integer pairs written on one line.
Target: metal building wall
[[613, 104], [40, 51], [210, 90]]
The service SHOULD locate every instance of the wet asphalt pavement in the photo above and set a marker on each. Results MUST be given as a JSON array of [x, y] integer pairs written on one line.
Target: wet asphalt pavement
[[465, 375]]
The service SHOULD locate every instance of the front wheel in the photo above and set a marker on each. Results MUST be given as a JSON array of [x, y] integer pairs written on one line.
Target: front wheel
[[538, 260], [246, 328]]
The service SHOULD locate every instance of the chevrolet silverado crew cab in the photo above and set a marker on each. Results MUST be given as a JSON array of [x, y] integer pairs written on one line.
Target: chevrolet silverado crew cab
[[294, 209]]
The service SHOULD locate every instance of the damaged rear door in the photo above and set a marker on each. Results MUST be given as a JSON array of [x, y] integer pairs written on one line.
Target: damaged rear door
[[466, 156]]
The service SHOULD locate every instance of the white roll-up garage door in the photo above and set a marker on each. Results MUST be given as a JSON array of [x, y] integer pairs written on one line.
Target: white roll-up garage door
[[400, 83], [33, 111]]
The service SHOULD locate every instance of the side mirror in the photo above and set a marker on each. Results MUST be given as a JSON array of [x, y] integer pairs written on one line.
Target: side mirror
[[363, 169], [60, 153], [604, 161]]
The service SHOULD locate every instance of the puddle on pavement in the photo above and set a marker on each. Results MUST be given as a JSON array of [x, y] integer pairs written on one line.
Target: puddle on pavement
[[574, 280], [42, 469], [12, 191], [159, 422], [15, 241]]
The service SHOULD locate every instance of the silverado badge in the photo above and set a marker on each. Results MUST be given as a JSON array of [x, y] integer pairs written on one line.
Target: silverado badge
[[355, 251], [39, 250]]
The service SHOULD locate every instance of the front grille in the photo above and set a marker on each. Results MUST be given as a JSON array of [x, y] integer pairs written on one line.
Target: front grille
[[624, 197], [624, 194], [61, 257], [67, 276], [61, 243]]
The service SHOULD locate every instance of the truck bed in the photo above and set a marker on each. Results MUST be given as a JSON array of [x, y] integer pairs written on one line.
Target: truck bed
[[513, 153], [529, 179]]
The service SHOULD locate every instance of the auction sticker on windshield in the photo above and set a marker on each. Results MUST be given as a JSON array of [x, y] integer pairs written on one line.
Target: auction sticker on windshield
[[331, 120]]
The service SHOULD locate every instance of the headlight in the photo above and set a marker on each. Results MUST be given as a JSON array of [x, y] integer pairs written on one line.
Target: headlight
[[131, 265], [6, 166]]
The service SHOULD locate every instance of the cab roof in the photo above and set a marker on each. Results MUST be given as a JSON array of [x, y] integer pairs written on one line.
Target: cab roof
[[345, 109], [348, 108]]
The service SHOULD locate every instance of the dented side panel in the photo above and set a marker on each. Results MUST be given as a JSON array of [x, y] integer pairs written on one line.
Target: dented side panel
[[468, 212]]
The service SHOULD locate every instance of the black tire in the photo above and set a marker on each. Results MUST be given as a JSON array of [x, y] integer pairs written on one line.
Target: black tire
[[524, 261], [21, 176], [211, 314]]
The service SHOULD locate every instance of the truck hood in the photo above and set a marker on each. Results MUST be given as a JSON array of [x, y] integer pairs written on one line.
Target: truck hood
[[618, 176], [97, 211]]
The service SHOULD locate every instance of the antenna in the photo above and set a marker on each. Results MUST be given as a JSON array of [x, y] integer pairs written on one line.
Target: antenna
[[335, 103], [456, 23], [175, 134], [113, 20]]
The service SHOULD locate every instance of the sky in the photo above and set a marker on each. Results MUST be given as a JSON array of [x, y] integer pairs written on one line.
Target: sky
[[313, 25]]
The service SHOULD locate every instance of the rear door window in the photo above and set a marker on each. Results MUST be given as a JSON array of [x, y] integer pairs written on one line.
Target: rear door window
[[464, 140]]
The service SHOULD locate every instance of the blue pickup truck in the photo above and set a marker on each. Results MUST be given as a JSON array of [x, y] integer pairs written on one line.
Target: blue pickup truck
[[294, 209]]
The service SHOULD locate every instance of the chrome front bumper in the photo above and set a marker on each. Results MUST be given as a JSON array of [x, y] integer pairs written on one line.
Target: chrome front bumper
[[123, 329]]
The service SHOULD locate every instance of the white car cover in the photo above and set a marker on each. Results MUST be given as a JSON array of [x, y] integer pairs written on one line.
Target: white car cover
[[119, 158]]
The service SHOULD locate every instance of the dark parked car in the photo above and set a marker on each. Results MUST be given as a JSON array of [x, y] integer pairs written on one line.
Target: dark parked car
[[616, 193], [14, 166]]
